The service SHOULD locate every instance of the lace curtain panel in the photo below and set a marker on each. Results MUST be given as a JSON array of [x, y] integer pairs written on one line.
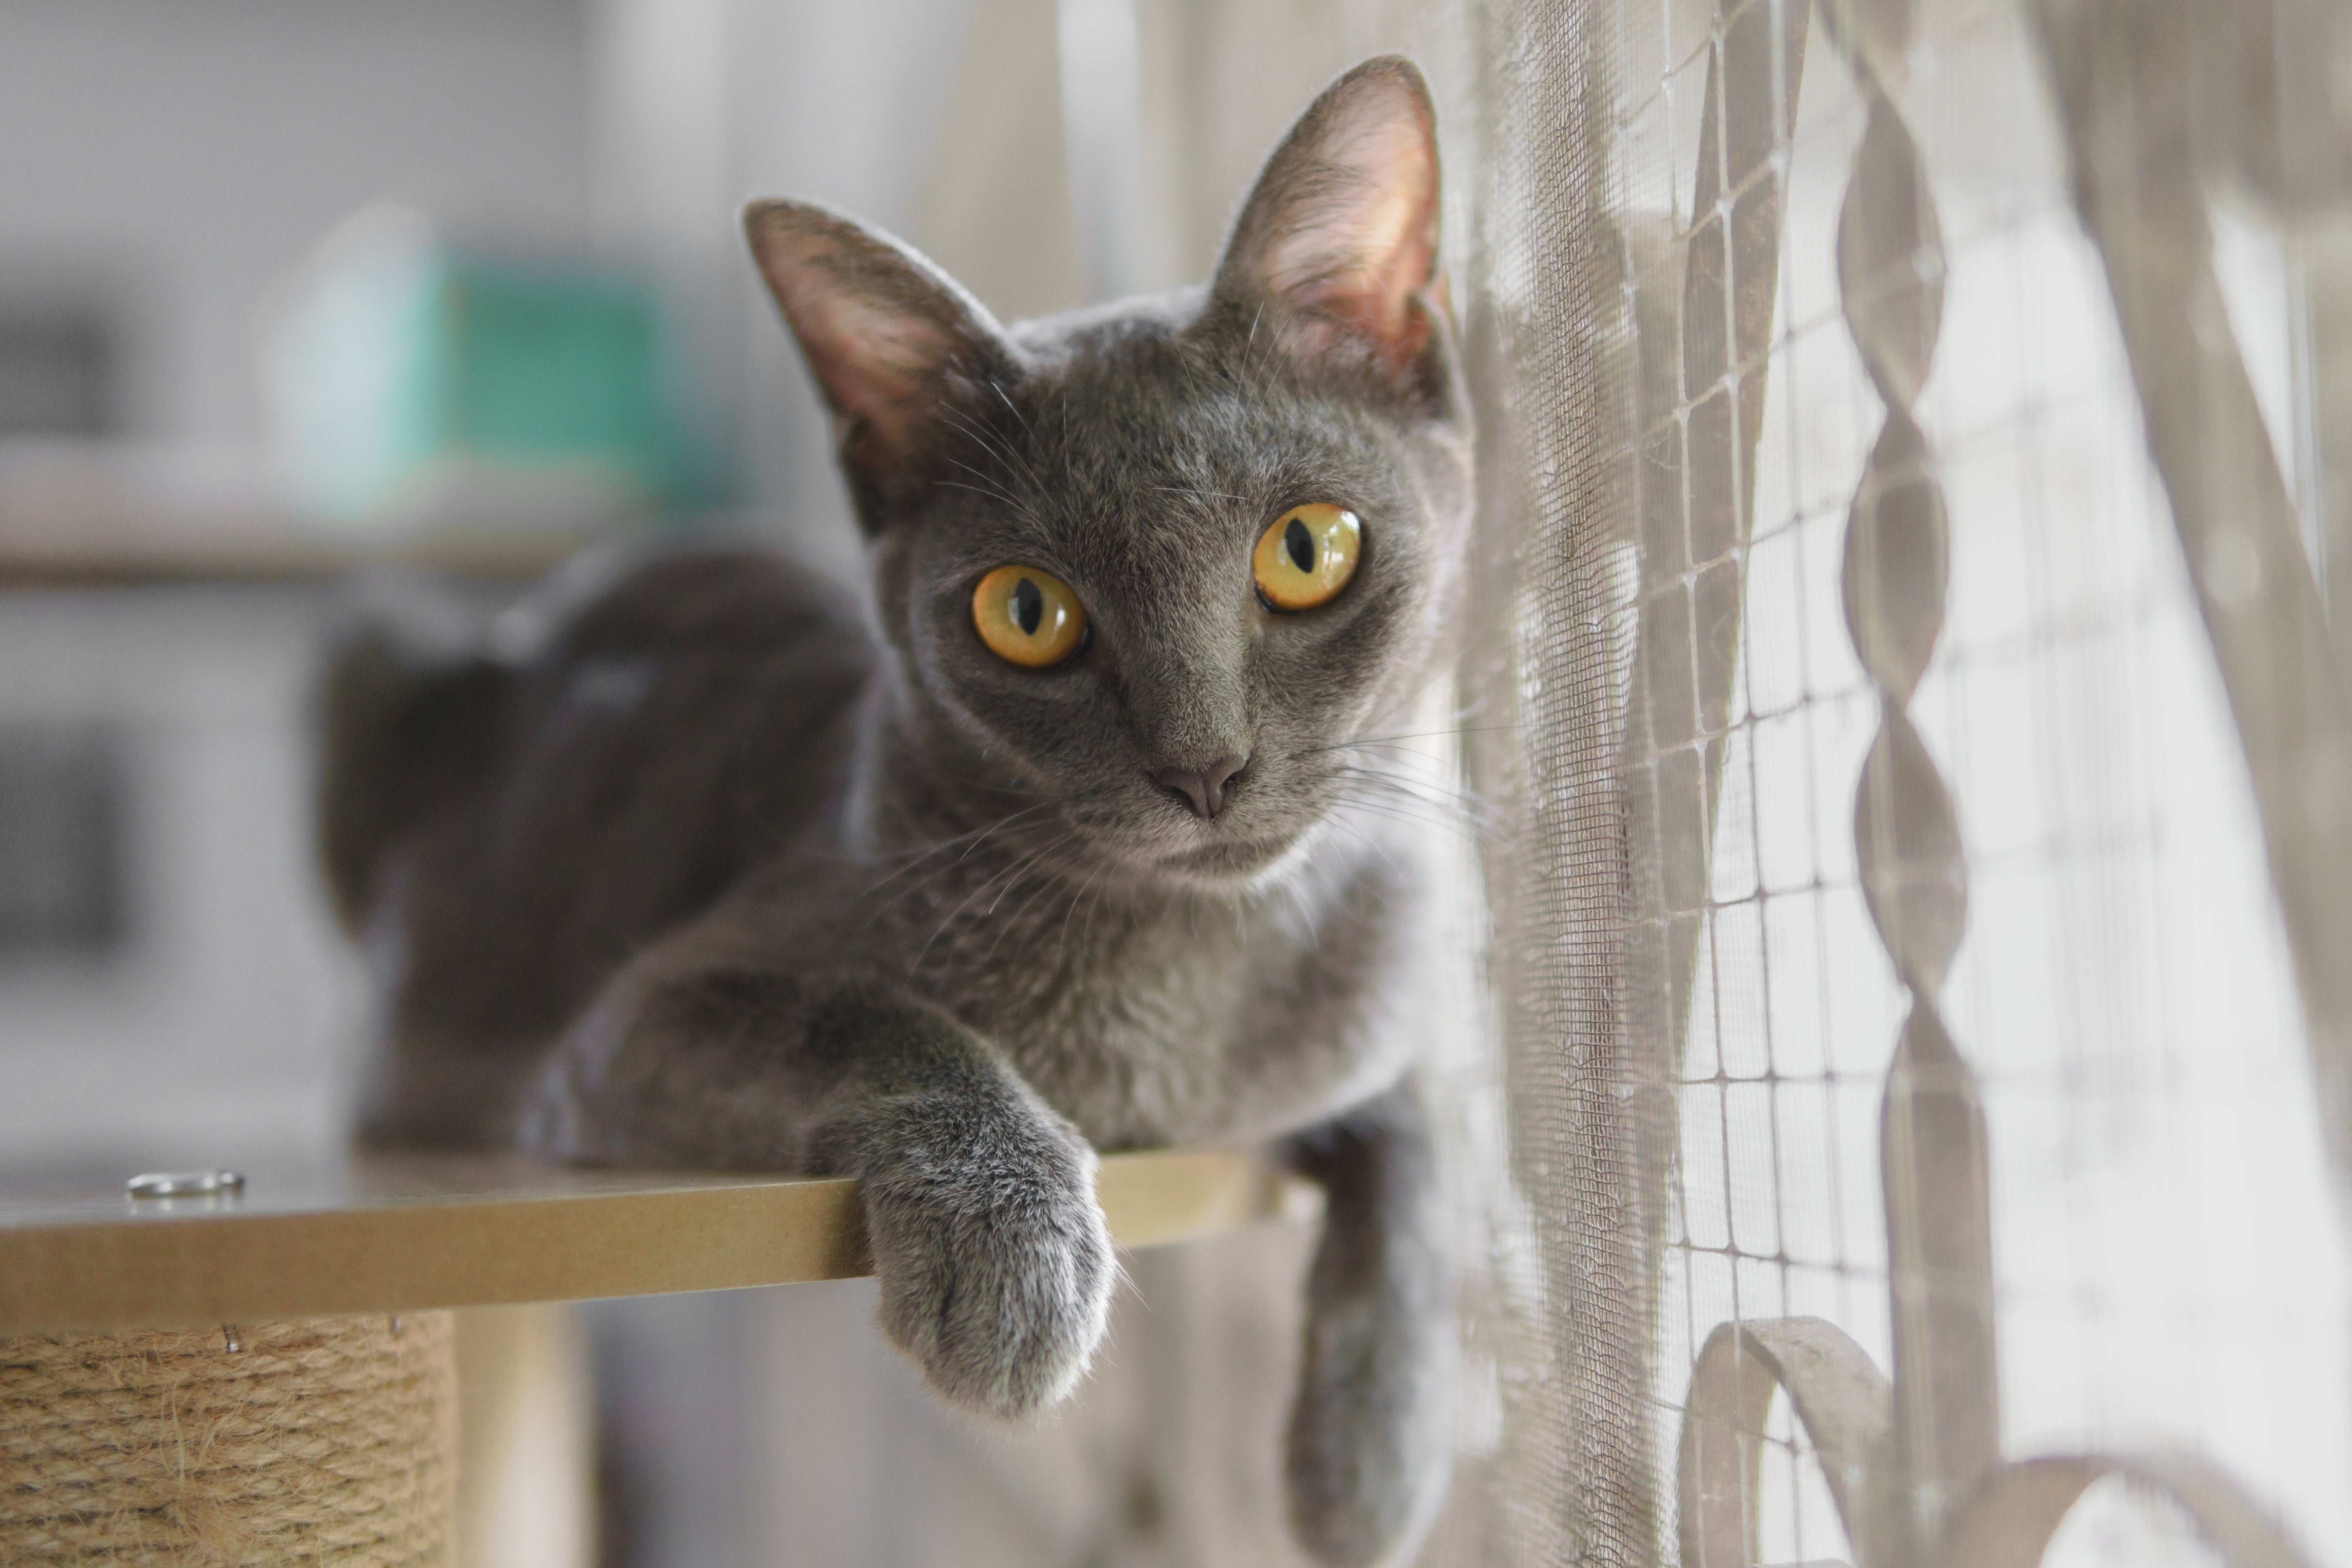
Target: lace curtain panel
[[1915, 744]]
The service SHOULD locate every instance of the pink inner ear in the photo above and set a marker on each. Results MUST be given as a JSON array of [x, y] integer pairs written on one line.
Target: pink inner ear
[[882, 332], [1358, 250], [879, 367]]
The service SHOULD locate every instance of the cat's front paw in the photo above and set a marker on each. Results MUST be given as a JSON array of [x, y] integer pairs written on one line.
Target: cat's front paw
[[995, 1265]]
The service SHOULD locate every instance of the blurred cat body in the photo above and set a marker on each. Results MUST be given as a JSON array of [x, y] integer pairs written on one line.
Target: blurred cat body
[[677, 862]]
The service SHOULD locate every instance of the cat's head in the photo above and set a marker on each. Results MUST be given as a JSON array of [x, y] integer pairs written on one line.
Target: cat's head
[[1156, 567]]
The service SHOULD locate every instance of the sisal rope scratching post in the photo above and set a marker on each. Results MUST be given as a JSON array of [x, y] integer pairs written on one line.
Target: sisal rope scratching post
[[327, 1441]]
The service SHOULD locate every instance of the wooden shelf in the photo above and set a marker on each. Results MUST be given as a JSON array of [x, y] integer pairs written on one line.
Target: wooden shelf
[[120, 554], [82, 514], [416, 1231]]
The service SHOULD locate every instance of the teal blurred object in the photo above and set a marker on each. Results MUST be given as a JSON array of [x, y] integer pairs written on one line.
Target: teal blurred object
[[409, 375]]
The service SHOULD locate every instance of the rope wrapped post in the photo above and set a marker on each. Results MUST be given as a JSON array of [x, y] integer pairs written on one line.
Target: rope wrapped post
[[327, 1441]]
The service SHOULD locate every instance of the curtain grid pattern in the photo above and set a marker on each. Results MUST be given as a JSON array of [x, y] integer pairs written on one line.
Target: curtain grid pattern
[[1909, 716]]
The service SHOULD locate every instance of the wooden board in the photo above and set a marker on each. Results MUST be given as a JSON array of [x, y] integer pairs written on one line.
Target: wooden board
[[113, 554], [413, 1232]]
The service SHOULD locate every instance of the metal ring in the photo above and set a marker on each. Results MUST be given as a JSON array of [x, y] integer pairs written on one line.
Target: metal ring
[[184, 1184]]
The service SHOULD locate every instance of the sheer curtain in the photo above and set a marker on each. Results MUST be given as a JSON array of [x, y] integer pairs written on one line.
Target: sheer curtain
[[1918, 935]]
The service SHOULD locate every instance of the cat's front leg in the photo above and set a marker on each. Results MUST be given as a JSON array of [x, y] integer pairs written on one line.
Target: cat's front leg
[[1370, 1440], [994, 1263]]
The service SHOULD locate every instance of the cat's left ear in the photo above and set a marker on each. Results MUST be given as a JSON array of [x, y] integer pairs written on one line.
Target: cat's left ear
[[1335, 249], [890, 338]]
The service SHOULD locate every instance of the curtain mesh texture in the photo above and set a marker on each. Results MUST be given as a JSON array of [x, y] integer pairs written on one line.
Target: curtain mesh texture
[[1906, 703]]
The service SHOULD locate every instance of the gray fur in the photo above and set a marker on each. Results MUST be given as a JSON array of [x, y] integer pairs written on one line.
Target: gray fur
[[729, 880]]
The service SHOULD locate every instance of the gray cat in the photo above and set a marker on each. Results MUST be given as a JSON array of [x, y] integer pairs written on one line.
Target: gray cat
[[1090, 848]]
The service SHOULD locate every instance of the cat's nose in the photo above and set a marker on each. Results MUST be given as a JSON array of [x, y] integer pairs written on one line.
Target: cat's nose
[[1204, 789]]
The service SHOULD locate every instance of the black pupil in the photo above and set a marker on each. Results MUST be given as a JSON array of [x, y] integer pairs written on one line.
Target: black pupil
[[1301, 545], [1029, 606]]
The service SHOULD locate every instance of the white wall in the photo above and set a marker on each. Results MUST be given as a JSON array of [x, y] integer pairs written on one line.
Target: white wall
[[220, 1033]]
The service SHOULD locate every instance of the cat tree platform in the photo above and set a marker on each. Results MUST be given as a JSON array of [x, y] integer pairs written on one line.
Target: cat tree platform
[[347, 1364]]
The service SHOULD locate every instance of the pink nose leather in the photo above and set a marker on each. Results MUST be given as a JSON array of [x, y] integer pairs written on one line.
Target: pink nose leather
[[1203, 789]]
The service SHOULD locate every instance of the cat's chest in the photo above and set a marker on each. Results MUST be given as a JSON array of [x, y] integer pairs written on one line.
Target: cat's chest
[[1211, 1023]]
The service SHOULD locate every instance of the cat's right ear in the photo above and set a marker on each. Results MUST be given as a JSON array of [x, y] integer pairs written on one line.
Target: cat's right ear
[[1335, 253], [891, 340]]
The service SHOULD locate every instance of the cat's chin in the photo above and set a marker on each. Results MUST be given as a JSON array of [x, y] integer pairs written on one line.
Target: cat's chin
[[1232, 865]]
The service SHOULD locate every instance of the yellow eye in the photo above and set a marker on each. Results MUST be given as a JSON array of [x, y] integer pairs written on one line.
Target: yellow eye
[[1027, 617], [1308, 556]]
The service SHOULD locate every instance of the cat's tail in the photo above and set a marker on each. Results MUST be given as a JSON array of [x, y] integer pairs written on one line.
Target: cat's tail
[[407, 715]]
